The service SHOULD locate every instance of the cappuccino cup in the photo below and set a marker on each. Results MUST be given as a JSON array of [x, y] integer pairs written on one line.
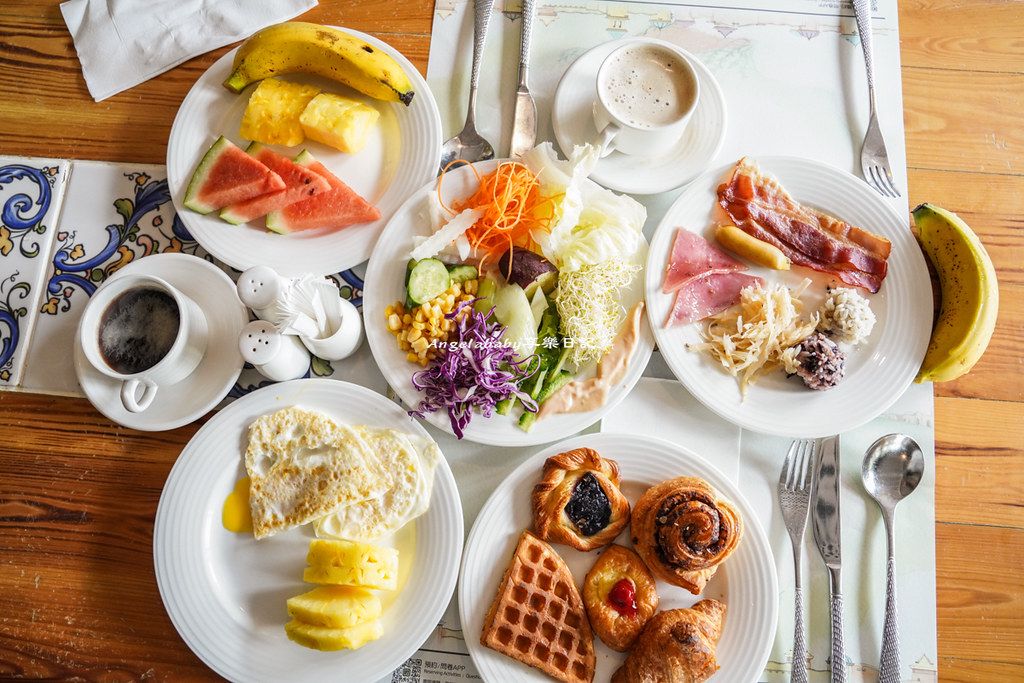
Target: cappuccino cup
[[646, 93], [143, 332]]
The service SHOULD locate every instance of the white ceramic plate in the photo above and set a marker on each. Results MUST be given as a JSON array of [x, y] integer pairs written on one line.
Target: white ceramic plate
[[226, 592], [192, 397], [745, 582], [877, 371], [401, 155], [573, 122], [385, 284]]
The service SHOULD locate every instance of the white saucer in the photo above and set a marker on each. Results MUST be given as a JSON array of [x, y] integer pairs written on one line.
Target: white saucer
[[572, 119], [209, 383]]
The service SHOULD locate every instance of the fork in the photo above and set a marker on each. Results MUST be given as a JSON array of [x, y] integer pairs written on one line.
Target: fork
[[874, 160], [794, 499]]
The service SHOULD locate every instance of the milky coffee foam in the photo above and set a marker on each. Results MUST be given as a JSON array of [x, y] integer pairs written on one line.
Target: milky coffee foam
[[647, 86]]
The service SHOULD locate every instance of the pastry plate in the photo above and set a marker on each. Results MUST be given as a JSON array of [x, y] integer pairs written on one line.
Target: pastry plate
[[745, 582], [399, 157], [385, 284], [225, 592], [573, 122], [878, 370], [192, 397]]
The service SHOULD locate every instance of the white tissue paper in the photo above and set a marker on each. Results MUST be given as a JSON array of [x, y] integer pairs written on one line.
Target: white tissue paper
[[308, 306], [122, 43]]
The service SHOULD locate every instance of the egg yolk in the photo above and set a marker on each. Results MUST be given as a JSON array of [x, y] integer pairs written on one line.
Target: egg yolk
[[236, 515]]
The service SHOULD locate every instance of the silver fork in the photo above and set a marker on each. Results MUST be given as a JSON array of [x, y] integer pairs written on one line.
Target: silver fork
[[794, 499], [874, 160]]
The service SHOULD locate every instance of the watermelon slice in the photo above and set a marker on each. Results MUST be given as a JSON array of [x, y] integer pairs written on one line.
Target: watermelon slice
[[336, 209], [227, 175], [300, 183]]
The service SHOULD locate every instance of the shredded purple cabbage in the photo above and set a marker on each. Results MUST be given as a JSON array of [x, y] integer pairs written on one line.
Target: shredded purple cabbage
[[474, 369]]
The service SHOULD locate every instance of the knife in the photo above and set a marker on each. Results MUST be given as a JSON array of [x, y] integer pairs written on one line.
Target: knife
[[826, 527], [524, 118]]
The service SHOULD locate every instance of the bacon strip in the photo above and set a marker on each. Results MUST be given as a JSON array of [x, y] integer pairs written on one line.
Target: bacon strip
[[759, 206]]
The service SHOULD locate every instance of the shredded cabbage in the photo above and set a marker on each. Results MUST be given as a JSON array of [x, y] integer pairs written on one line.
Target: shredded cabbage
[[475, 369]]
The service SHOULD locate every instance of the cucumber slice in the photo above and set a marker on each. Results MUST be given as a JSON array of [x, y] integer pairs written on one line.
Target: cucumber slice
[[463, 272], [427, 279]]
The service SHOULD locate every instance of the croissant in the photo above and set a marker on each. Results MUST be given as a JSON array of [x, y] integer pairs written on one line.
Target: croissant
[[684, 530], [676, 646], [578, 502]]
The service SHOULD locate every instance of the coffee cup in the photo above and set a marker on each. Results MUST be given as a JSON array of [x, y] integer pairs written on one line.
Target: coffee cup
[[646, 93], [143, 332]]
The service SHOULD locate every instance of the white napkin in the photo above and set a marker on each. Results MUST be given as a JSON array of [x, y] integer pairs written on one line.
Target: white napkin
[[122, 43], [308, 306]]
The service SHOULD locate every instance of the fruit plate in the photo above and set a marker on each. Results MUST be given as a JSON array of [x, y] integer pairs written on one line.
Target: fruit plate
[[878, 370], [225, 592], [399, 157], [746, 582], [385, 284]]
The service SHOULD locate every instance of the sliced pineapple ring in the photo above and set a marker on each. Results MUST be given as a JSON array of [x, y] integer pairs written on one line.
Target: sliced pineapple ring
[[330, 639], [351, 563], [335, 606]]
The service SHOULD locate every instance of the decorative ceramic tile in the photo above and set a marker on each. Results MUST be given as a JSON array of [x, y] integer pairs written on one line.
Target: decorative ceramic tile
[[31, 191], [113, 214]]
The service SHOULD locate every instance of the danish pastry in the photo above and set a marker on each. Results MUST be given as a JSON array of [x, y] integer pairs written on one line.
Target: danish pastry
[[684, 530], [620, 596], [578, 502], [676, 646]]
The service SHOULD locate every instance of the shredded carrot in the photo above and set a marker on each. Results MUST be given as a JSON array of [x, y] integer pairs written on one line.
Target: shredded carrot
[[514, 210]]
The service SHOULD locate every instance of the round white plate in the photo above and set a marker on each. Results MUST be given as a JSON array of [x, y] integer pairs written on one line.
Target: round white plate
[[877, 371], [745, 582], [192, 397], [385, 284], [226, 592], [401, 154], [573, 122]]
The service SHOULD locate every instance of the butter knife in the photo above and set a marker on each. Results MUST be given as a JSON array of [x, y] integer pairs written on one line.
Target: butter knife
[[524, 119], [826, 527]]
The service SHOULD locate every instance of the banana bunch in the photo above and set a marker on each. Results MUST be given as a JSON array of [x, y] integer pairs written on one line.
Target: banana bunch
[[303, 47], [969, 291]]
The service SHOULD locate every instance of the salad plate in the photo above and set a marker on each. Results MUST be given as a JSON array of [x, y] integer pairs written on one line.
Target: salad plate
[[878, 370], [385, 285], [400, 155], [746, 581], [225, 592]]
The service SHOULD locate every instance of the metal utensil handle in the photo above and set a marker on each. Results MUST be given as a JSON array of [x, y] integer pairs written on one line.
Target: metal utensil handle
[[799, 667], [889, 668], [481, 20], [526, 37], [838, 651], [862, 10]]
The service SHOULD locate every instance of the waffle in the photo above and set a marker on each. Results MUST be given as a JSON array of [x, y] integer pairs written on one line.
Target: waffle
[[538, 615]]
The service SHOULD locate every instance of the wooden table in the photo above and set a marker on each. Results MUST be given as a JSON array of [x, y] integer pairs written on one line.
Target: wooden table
[[78, 494]]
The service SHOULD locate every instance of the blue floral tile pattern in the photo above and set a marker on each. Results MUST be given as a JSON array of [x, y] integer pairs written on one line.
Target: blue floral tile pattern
[[31, 191]]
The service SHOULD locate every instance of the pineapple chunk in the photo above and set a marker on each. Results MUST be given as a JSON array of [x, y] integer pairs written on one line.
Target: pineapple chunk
[[351, 563], [339, 121], [330, 639], [335, 606], [272, 114]]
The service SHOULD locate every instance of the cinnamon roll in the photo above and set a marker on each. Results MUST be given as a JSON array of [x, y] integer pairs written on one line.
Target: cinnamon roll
[[684, 530]]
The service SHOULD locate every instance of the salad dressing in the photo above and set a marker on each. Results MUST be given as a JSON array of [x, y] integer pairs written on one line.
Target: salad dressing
[[584, 395]]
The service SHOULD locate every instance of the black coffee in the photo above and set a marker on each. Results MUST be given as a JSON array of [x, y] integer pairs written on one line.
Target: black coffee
[[138, 329]]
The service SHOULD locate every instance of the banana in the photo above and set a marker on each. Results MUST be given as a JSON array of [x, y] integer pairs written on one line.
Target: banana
[[303, 47], [969, 294]]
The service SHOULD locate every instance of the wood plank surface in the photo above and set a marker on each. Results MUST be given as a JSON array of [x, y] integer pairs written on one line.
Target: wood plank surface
[[78, 494]]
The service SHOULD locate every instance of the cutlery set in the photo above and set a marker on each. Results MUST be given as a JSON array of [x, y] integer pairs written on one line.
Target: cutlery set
[[810, 485]]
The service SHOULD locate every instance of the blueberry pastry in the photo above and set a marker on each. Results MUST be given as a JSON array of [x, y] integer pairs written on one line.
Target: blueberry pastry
[[578, 501], [684, 530]]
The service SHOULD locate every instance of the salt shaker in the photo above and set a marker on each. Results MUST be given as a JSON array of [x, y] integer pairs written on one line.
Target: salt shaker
[[276, 356], [259, 288]]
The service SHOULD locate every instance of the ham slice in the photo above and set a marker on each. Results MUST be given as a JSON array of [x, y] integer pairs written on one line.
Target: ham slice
[[708, 294], [692, 256], [759, 206]]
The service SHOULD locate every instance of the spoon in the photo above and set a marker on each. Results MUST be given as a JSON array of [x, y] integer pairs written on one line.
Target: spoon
[[468, 145], [892, 469]]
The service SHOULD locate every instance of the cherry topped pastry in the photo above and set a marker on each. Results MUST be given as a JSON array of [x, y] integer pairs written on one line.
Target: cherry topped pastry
[[620, 596], [578, 502]]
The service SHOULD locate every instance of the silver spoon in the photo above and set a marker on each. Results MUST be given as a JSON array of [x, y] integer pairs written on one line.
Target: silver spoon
[[468, 145], [892, 469]]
